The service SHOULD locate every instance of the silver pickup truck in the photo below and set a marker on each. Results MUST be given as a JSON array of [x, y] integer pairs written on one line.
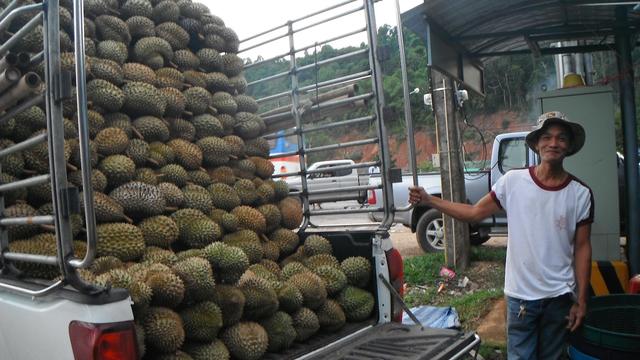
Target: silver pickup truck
[[509, 152], [325, 178]]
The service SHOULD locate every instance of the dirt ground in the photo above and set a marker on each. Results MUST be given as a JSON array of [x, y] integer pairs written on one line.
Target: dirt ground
[[491, 327]]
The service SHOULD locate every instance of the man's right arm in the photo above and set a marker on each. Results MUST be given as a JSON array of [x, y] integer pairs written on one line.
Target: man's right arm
[[484, 208]]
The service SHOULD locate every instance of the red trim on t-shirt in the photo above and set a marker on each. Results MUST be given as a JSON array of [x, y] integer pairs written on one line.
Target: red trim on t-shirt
[[495, 198], [549, 188]]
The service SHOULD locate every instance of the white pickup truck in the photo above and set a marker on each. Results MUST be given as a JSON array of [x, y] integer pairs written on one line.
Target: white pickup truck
[[325, 177], [509, 152]]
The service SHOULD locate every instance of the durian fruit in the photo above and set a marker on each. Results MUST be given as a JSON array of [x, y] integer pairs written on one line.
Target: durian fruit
[[187, 154], [121, 240], [118, 169], [231, 301], [197, 275], [306, 323], [186, 60], [111, 141], [152, 128], [224, 103], [198, 198], [236, 145], [266, 195], [175, 174], [108, 70], [317, 244], [244, 168], [312, 288], [163, 330], [256, 147], [272, 216], [112, 28], [167, 288], [198, 232], [141, 27], [358, 271], [176, 36], [139, 73], [132, 8], [215, 350], [228, 262], [143, 99], [161, 153], [264, 168], [286, 239], [159, 231], [153, 255], [146, 175], [116, 119], [215, 151], [139, 200], [138, 151], [289, 297], [357, 303], [246, 190], [335, 280], [250, 219], [113, 50], [41, 244], [202, 321], [292, 268], [152, 51], [176, 103], [331, 316], [246, 104], [223, 174], [248, 241], [164, 11], [107, 210], [198, 100], [200, 177], [246, 340], [104, 264], [172, 194], [271, 250], [291, 211], [279, 327], [207, 125], [261, 298], [316, 261]]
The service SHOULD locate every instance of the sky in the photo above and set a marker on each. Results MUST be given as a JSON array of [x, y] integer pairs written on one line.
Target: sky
[[251, 17]]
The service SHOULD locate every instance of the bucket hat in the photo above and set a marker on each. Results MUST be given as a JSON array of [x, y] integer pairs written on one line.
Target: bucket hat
[[556, 117]]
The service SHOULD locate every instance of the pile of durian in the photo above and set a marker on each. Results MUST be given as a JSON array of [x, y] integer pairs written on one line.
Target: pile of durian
[[189, 219]]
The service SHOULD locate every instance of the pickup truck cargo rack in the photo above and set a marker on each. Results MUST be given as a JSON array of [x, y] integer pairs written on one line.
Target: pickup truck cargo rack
[[30, 90]]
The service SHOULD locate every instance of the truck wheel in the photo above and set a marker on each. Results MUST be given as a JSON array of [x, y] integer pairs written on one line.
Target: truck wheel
[[430, 231]]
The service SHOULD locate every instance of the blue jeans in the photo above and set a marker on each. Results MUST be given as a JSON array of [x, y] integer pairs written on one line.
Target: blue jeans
[[536, 329]]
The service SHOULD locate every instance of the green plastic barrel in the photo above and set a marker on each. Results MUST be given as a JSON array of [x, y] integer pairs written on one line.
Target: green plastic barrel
[[611, 328]]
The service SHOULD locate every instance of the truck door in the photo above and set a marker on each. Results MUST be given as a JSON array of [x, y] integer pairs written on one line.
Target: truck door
[[324, 180]]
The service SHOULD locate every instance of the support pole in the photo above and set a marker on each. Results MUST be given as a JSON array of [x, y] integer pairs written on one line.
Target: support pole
[[451, 168], [629, 129]]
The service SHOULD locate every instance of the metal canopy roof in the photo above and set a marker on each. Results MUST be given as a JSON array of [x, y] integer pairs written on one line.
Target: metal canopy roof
[[486, 28]]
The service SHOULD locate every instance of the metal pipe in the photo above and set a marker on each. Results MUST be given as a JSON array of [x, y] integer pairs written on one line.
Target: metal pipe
[[40, 259], [342, 145], [269, 78], [30, 220], [345, 189], [407, 103], [9, 77], [334, 59], [324, 10], [340, 123], [23, 145], [348, 91], [83, 130], [4, 48], [9, 60], [361, 165], [24, 60], [263, 43], [45, 291], [249, 66], [29, 84], [378, 90], [15, 110], [344, 211], [6, 21], [32, 181], [12, 5], [37, 58], [356, 76], [345, 35], [324, 21], [629, 126], [274, 96]]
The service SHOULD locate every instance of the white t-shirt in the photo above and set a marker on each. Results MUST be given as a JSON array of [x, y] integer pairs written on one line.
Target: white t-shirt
[[542, 223]]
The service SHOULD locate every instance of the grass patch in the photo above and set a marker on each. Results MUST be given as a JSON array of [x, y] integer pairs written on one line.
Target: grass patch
[[492, 351], [486, 275]]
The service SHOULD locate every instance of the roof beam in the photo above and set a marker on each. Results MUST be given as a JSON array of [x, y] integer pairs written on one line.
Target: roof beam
[[533, 46], [548, 51], [544, 30]]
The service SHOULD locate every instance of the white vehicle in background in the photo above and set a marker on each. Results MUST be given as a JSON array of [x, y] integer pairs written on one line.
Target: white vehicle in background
[[325, 176]]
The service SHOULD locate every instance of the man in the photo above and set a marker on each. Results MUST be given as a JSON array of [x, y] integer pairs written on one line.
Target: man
[[549, 215]]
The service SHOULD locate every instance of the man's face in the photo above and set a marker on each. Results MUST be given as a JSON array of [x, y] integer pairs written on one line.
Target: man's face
[[553, 144]]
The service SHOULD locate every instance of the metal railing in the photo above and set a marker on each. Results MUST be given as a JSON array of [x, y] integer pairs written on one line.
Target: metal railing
[[302, 117], [62, 195]]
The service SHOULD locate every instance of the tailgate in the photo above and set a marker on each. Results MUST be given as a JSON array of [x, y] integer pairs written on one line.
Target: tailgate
[[397, 341]]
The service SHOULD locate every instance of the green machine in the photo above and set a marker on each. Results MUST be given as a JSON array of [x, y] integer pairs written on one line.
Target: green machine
[[596, 163]]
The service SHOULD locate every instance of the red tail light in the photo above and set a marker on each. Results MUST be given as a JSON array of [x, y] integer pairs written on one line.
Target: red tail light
[[109, 341], [371, 199], [396, 278]]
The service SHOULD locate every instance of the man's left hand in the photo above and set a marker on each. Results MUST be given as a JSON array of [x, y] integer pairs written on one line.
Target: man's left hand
[[576, 316]]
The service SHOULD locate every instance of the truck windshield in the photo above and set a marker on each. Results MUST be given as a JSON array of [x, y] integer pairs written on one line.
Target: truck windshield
[[512, 155]]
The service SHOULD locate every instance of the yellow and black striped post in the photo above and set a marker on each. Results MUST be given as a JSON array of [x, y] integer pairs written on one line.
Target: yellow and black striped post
[[609, 277]]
